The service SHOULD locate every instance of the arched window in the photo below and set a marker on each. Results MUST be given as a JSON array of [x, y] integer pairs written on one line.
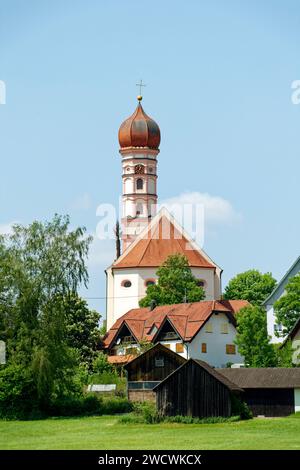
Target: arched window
[[139, 183], [126, 283], [139, 208], [149, 282]]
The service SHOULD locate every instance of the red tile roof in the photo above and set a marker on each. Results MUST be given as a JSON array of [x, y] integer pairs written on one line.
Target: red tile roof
[[121, 360], [160, 241], [186, 318]]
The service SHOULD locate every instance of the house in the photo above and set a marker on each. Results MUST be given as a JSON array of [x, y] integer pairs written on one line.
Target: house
[[148, 237], [148, 370], [196, 389], [275, 329], [268, 391], [201, 330], [294, 337]]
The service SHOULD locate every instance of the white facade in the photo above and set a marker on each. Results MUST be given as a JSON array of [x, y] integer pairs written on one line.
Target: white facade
[[273, 326], [121, 299], [277, 293], [297, 399]]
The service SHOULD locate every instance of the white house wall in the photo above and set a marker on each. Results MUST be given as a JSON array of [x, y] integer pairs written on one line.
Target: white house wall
[[215, 343], [297, 399], [271, 321]]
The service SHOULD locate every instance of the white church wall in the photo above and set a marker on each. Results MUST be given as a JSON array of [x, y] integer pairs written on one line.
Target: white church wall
[[216, 342], [207, 275], [296, 352]]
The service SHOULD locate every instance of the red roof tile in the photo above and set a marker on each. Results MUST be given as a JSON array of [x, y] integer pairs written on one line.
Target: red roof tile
[[160, 241], [186, 318]]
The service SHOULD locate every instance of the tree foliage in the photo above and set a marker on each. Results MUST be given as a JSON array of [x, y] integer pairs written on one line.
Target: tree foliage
[[287, 308], [251, 285], [176, 283], [43, 321], [252, 338]]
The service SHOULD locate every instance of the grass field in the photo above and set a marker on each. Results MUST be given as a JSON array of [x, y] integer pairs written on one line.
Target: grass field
[[105, 433]]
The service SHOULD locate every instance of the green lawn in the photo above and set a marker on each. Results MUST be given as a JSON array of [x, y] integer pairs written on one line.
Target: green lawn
[[104, 433]]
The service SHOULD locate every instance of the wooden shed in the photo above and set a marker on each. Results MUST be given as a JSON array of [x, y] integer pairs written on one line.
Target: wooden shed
[[268, 391], [148, 370], [195, 389]]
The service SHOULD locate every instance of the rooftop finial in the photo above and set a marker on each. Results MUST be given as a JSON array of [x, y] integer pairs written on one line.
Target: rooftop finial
[[141, 84]]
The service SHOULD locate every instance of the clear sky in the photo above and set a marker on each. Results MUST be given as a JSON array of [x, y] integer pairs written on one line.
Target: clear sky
[[218, 77]]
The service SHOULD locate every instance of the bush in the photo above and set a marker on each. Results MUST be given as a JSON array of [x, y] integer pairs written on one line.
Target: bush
[[89, 405], [108, 377], [240, 408], [18, 397]]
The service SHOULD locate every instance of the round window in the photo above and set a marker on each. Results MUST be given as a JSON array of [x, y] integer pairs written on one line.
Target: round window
[[126, 283], [149, 282], [201, 283]]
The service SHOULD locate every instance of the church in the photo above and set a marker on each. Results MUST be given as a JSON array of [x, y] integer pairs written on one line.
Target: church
[[148, 237], [204, 330]]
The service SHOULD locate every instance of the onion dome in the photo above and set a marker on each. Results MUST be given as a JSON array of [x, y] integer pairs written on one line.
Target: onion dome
[[139, 130]]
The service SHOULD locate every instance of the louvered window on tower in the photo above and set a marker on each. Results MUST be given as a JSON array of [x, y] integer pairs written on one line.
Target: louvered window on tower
[[139, 184]]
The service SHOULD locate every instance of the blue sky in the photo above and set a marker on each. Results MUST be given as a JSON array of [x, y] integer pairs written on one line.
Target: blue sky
[[218, 78]]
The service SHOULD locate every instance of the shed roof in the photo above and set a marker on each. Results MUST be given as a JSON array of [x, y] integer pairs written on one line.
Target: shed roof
[[213, 372], [278, 377]]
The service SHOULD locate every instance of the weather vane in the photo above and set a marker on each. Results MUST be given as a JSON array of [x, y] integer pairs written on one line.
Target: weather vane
[[141, 84]]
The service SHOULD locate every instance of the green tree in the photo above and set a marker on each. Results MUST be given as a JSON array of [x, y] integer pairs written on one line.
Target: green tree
[[284, 354], [176, 283], [40, 265], [252, 338], [287, 308], [82, 328], [251, 285]]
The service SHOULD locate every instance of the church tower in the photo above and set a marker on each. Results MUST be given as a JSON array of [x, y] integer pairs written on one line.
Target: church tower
[[139, 139]]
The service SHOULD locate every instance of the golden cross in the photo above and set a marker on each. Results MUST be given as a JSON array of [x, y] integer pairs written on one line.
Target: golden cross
[[140, 85]]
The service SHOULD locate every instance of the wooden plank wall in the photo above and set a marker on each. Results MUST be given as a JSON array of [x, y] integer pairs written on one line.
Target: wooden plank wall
[[270, 402], [192, 391]]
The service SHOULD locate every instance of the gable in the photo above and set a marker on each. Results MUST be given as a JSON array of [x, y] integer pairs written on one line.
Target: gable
[[154, 365], [167, 332], [162, 238], [280, 288]]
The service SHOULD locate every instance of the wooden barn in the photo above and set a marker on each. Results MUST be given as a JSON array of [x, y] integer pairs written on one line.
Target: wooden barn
[[195, 389], [148, 370], [268, 391]]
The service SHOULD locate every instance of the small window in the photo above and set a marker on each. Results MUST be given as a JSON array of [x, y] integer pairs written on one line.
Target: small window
[[149, 282], [179, 348], [139, 183], [139, 208], [278, 327], [204, 348], [224, 328], [126, 283], [208, 328], [200, 283], [159, 361], [230, 348], [150, 169]]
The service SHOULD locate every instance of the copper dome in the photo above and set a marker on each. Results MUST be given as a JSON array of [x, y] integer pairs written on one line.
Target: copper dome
[[139, 130]]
